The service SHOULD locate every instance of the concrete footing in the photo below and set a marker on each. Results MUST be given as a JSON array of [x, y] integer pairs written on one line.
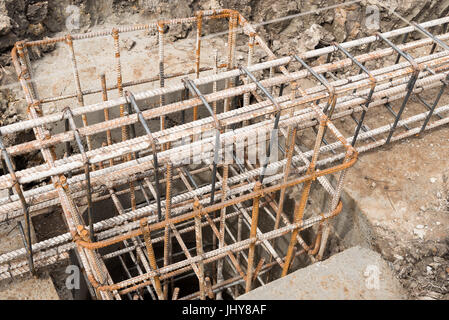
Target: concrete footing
[[356, 273]]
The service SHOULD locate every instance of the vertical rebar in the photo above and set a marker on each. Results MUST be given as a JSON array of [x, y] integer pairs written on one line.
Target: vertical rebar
[[291, 136], [253, 235], [246, 96], [123, 112], [231, 52], [222, 226], [175, 294], [160, 28], [214, 85], [26, 213], [435, 103], [199, 29], [104, 91], [301, 205], [167, 236], [147, 236], [79, 92], [199, 248]]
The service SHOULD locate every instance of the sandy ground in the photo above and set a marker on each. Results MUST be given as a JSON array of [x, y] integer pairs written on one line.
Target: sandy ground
[[403, 193], [96, 56], [26, 287]]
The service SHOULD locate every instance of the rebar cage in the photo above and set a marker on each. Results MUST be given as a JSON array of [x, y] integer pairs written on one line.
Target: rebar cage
[[206, 199]]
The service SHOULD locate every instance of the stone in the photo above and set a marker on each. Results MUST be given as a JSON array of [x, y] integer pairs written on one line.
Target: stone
[[129, 44], [5, 25], [429, 270], [312, 36], [338, 25], [420, 232], [8, 40], [398, 257], [36, 30], [37, 12]]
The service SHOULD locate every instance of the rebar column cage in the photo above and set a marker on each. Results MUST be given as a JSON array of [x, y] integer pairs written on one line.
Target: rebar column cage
[[221, 234]]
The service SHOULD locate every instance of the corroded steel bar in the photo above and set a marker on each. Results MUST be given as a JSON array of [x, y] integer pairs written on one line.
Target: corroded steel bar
[[435, 103], [153, 146], [185, 210], [370, 94], [199, 248], [167, 237], [437, 113], [218, 130], [26, 214], [300, 206], [410, 85], [253, 235], [383, 129], [27, 196], [223, 75], [106, 111], [79, 92], [146, 233], [224, 188], [275, 124], [86, 172], [160, 29], [72, 215]]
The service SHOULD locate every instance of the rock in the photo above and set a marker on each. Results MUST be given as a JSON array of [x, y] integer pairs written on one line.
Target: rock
[[353, 23], [429, 270], [8, 40], [433, 180], [338, 25], [5, 25], [48, 47], [438, 260], [36, 30], [431, 296], [435, 265], [398, 257], [426, 298], [312, 36], [420, 232], [129, 44], [179, 32], [37, 12]]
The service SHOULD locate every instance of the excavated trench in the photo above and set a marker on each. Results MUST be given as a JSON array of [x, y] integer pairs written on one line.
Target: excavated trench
[[350, 228]]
